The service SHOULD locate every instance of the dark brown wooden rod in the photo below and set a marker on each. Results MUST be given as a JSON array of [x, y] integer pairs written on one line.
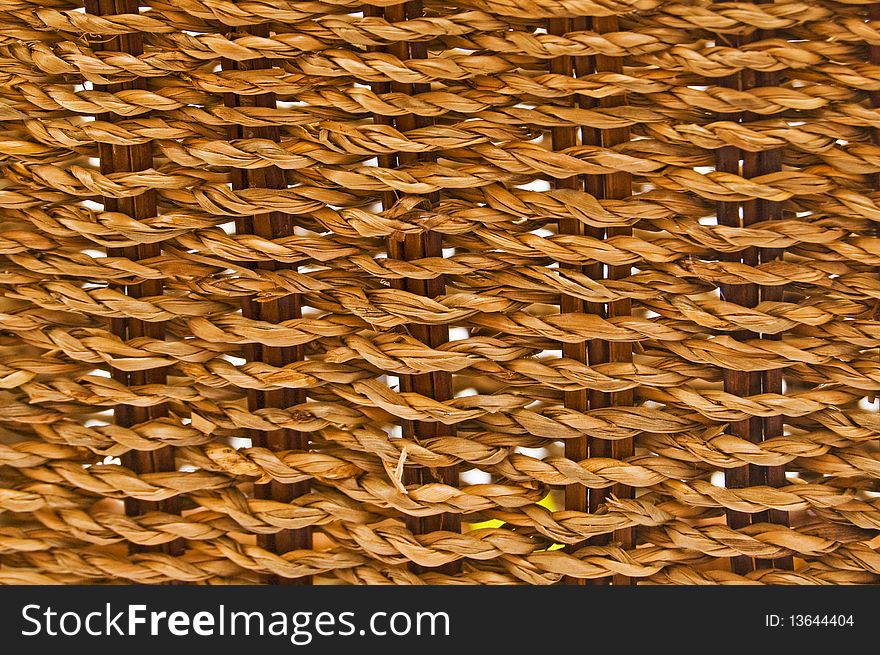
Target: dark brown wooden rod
[[748, 383], [438, 384], [596, 351], [273, 225], [738, 383], [118, 159], [756, 211]]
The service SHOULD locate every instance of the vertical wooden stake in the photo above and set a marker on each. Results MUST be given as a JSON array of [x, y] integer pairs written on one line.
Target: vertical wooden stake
[[613, 186], [436, 385], [118, 159], [273, 225], [745, 383]]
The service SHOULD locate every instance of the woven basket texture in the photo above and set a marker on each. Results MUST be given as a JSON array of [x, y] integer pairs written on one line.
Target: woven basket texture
[[445, 292]]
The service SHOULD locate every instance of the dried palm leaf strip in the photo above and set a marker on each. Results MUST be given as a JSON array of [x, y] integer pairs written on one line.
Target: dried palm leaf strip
[[596, 351], [118, 159], [272, 225], [436, 384]]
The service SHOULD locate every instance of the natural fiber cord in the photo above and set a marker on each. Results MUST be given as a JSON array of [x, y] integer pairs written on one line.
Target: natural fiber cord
[[482, 292]]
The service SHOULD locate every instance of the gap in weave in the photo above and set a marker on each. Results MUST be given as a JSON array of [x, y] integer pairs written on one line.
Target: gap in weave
[[239, 442], [391, 381], [869, 405], [535, 185], [537, 453], [475, 476], [95, 422], [234, 359], [307, 310], [395, 431]]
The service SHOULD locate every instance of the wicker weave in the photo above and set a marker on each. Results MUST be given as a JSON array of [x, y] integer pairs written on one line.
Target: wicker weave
[[472, 292]]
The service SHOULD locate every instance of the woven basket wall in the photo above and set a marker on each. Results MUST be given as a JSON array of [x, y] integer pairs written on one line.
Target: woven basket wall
[[465, 292]]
